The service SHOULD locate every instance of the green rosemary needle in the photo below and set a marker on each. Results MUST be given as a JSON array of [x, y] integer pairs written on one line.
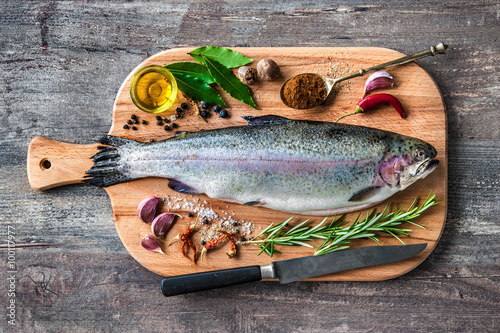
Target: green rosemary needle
[[337, 237]]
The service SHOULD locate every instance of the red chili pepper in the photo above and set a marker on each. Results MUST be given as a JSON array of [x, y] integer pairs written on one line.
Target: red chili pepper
[[373, 101]]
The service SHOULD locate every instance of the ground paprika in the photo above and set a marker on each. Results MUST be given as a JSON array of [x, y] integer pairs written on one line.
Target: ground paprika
[[304, 91]]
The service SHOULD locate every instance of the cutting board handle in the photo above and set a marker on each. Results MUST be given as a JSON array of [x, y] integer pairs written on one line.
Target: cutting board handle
[[53, 163]]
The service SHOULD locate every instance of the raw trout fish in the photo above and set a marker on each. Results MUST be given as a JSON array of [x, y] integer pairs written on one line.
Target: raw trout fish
[[302, 167]]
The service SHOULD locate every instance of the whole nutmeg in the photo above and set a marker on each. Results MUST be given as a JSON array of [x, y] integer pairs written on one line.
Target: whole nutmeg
[[268, 70], [247, 75]]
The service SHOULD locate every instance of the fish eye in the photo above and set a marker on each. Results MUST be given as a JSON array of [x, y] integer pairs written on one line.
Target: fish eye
[[419, 154]]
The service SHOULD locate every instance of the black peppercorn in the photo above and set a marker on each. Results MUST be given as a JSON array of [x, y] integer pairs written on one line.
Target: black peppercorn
[[205, 221], [184, 105], [203, 114], [166, 128], [223, 113], [130, 122], [159, 123], [178, 110], [174, 125], [136, 121], [235, 224], [125, 126], [133, 116], [203, 242], [134, 128], [144, 122], [243, 239], [151, 140], [190, 214], [158, 118]]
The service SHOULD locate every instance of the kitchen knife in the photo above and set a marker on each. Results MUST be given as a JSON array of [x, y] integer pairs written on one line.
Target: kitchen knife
[[291, 270]]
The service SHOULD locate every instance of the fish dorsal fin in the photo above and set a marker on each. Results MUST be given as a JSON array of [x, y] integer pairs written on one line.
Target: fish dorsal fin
[[265, 120]]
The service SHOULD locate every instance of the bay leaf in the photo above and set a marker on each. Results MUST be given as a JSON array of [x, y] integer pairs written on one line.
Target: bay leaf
[[193, 69], [226, 79], [197, 89], [222, 55]]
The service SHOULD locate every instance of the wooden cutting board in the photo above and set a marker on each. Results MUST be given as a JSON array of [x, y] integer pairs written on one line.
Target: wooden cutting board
[[52, 163]]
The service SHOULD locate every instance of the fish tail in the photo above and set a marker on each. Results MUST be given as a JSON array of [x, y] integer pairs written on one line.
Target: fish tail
[[107, 169]]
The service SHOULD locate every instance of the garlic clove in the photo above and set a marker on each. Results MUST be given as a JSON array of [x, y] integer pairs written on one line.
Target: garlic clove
[[378, 80], [150, 244], [162, 224], [147, 209]]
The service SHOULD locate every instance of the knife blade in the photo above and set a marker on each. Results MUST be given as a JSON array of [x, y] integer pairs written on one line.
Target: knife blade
[[291, 270]]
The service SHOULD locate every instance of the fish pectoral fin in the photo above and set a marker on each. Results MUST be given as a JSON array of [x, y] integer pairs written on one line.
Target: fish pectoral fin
[[180, 187], [365, 194], [255, 203]]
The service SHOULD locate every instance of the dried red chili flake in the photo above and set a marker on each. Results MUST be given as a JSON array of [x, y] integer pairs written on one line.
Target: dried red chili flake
[[212, 244], [185, 239]]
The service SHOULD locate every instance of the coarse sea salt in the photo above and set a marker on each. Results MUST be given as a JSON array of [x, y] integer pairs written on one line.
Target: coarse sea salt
[[224, 220]]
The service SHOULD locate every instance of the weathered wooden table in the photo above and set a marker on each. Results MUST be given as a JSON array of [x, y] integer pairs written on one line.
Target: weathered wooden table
[[62, 63]]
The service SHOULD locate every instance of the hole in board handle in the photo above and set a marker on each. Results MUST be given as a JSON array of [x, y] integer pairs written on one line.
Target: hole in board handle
[[45, 164]]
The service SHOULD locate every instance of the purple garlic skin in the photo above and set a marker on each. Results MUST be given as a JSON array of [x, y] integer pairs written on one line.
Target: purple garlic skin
[[147, 209], [150, 244], [162, 224], [378, 80]]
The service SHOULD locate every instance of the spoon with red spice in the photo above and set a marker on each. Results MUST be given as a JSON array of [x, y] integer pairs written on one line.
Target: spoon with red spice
[[305, 91]]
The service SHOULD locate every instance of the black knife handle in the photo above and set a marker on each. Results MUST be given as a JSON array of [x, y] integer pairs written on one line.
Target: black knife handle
[[183, 284]]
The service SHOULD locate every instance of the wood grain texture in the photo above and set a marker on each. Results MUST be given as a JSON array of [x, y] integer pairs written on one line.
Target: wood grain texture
[[426, 119], [51, 163], [62, 63]]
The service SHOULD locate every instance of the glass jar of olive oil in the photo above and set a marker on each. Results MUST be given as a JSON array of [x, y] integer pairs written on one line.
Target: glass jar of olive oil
[[153, 89]]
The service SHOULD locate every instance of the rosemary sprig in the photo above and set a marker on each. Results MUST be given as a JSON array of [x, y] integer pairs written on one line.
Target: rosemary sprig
[[335, 236]]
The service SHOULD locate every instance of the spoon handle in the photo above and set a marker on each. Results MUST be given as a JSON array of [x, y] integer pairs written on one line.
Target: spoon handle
[[432, 51]]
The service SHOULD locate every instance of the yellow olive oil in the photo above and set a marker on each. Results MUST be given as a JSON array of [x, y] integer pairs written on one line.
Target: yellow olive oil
[[153, 89]]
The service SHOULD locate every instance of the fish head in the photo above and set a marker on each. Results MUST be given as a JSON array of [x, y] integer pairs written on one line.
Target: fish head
[[409, 160]]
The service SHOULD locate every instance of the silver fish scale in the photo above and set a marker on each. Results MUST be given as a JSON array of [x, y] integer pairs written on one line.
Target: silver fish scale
[[287, 166]]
